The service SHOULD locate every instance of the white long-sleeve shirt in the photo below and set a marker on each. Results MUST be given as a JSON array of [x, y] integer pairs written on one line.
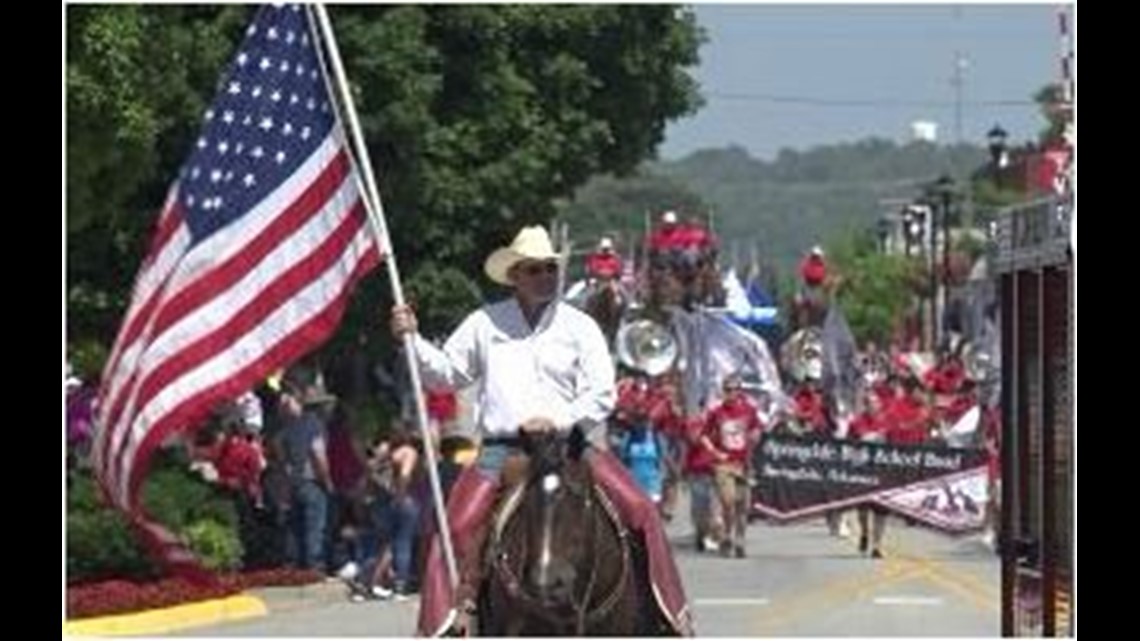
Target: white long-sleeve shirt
[[560, 370]]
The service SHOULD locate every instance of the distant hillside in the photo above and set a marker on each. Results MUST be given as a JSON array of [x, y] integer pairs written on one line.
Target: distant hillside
[[784, 206], [803, 198]]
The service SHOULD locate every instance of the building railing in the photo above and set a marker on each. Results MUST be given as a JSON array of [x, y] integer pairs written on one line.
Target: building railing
[[1033, 234]]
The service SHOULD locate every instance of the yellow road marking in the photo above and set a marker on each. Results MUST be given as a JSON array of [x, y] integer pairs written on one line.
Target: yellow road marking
[[169, 619]]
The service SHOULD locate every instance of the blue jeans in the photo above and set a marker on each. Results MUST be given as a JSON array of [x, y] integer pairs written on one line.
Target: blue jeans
[[398, 524], [308, 516], [405, 527]]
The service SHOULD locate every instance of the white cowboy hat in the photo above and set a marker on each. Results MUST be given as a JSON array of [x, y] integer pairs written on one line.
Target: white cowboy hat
[[817, 251], [606, 243], [669, 218], [532, 243]]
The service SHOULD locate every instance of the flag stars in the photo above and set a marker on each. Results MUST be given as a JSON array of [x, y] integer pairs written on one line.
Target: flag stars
[[243, 59], [275, 96], [257, 152], [265, 63], [202, 143], [248, 180], [266, 124], [306, 131], [256, 93], [300, 69], [223, 147], [279, 157], [240, 147], [248, 120], [215, 175], [272, 35], [287, 129], [195, 172], [294, 99], [209, 115], [284, 67], [310, 104], [305, 40], [234, 89], [228, 117], [290, 36]]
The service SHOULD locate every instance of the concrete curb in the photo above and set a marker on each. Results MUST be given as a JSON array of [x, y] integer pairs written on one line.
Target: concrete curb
[[179, 617], [255, 602]]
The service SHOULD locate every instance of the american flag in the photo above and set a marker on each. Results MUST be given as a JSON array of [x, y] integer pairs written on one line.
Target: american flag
[[261, 239]]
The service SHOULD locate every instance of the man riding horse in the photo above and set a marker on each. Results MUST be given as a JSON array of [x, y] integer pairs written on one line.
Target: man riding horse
[[538, 365], [682, 258], [606, 301]]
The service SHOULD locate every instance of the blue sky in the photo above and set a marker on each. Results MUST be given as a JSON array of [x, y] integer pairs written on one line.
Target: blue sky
[[785, 76]]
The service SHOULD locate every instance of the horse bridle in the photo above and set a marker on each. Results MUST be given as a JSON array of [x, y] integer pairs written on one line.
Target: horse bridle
[[581, 617]]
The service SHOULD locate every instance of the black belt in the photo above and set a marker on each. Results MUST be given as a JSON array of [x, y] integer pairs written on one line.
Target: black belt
[[509, 441]]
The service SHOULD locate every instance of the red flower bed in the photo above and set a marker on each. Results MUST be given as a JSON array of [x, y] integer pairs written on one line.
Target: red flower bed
[[117, 597]]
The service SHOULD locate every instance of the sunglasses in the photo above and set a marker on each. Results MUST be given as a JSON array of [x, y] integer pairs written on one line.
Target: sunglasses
[[536, 269]]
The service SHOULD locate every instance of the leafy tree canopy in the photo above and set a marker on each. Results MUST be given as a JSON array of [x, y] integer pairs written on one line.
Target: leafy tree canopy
[[478, 118]]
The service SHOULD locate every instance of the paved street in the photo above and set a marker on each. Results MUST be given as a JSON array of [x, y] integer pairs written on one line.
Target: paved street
[[798, 580]]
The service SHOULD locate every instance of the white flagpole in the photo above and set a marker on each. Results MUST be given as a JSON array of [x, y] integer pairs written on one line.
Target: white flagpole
[[380, 229]]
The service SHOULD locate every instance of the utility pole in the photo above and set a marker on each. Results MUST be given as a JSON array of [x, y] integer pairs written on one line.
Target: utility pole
[[961, 63]]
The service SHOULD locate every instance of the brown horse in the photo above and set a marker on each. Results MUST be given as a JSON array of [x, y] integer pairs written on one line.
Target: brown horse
[[606, 306], [560, 563]]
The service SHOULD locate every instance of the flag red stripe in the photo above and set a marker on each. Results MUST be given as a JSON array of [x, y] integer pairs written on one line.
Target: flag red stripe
[[280, 291], [305, 206], [137, 319], [292, 347], [170, 220], [220, 279]]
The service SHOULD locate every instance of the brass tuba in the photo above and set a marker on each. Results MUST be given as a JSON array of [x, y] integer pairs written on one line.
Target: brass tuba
[[647, 346], [801, 355]]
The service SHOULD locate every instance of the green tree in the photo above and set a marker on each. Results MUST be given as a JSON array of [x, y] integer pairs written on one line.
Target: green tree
[[137, 80], [787, 205], [875, 289], [607, 204], [478, 118]]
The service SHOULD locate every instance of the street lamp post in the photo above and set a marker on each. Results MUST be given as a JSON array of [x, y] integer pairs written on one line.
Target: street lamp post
[[942, 192], [997, 137]]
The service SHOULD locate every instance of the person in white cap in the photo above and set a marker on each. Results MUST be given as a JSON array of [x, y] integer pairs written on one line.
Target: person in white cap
[[813, 269], [537, 364], [604, 263], [668, 236], [603, 266]]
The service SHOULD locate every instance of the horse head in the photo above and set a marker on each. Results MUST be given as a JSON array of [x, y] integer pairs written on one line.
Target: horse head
[[556, 520], [606, 304], [561, 559]]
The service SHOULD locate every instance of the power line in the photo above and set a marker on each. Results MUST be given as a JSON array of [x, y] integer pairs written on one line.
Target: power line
[[863, 102]]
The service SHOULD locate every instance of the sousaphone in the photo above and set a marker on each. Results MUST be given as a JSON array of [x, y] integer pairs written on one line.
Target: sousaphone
[[647, 346]]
